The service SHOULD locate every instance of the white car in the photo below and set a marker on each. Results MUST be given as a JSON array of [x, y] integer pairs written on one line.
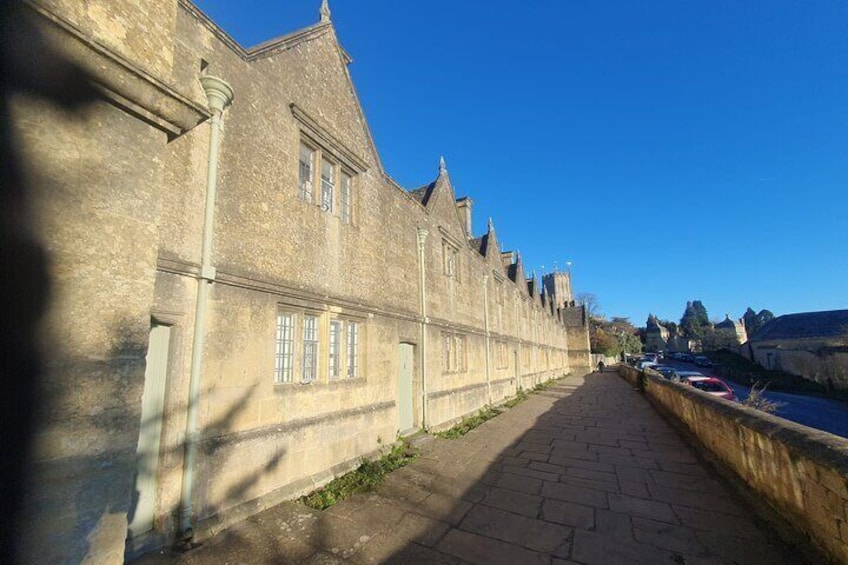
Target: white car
[[646, 363]]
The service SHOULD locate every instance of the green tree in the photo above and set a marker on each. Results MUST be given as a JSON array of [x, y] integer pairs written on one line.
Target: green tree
[[614, 337], [713, 340], [603, 342], [755, 322], [695, 322]]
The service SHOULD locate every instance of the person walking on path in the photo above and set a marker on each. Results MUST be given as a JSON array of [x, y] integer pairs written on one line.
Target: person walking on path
[[601, 366]]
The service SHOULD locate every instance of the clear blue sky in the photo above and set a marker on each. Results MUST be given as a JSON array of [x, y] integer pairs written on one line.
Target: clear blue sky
[[671, 150]]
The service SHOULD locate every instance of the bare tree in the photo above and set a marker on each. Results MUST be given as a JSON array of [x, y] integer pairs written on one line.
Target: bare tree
[[590, 302]]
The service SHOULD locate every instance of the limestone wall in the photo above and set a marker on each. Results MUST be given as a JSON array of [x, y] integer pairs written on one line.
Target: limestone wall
[[801, 472], [119, 206], [99, 224], [822, 361]]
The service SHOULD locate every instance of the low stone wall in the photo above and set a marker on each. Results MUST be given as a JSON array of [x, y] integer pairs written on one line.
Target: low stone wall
[[801, 472]]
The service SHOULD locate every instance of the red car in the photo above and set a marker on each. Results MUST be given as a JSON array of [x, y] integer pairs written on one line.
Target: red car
[[711, 385]]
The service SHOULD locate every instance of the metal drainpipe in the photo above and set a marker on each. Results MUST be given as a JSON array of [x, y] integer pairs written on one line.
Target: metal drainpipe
[[486, 320], [422, 238], [220, 95]]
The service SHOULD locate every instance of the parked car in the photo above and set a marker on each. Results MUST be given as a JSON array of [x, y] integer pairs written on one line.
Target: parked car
[[687, 357], [679, 375], [664, 370], [702, 361], [711, 385], [643, 363]]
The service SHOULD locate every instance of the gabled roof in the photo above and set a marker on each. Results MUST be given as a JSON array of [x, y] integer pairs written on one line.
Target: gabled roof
[[806, 325], [531, 286], [439, 198], [480, 244], [727, 324], [515, 271], [423, 193], [488, 243], [266, 48], [323, 29]]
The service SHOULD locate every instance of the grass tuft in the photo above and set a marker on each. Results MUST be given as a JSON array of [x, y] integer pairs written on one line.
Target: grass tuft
[[469, 423], [364, 478], [519, 397]]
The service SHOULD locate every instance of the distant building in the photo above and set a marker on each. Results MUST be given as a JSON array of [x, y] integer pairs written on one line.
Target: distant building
[[656, 335], [683, 344], [558, 284], [813, 345], [733, 329]]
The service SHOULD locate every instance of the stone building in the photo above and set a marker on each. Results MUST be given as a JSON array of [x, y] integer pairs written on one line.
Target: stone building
[[557, 286], [656, 335], [244, 303], [734, 330], [813, 345]]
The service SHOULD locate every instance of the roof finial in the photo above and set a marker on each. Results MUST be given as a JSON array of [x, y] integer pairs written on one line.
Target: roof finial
[[325, 11], [442, 167]]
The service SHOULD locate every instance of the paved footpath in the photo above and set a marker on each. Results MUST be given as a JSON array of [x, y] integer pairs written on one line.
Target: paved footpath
[[583, 472]]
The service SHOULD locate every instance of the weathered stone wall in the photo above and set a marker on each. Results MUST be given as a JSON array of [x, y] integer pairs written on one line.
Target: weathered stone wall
[[141, 32], [120, 207], [577, 329], [819, 360], [99, 223], [801, 472]]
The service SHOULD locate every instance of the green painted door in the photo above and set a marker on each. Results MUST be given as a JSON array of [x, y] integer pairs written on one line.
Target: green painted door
[[405, 419], [143, 506]]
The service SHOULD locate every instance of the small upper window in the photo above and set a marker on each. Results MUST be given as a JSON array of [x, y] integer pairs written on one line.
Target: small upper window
[[328, 185], [334, 189], [344, 198], [305, 172], [449, 257]]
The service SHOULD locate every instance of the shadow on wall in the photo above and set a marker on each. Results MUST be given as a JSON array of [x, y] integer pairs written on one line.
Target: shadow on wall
[[31, 68], [76, 505], [86, 409]]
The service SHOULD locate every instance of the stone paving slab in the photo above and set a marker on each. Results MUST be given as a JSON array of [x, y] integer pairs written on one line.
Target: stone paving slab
[[584, 473]]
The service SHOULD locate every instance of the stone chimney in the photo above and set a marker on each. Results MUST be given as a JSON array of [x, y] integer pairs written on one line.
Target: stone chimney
[[464, 205]]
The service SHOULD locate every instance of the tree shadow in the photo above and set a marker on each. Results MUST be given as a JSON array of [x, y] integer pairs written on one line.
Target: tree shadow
[[93, 406]]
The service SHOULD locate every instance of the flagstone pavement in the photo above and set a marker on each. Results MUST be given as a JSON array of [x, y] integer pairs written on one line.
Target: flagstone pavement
[[585, 471]]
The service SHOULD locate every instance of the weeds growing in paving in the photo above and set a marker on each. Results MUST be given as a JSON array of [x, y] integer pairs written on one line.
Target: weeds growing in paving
[[469, 423], [366, 477], [519, 397], [489, 412]]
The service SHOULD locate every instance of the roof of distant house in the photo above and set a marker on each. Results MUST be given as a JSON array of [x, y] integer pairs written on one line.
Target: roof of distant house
[[806, 325], [730, 324]]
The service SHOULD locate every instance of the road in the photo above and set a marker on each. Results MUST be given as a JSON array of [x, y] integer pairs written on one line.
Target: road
[[814, 411]]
